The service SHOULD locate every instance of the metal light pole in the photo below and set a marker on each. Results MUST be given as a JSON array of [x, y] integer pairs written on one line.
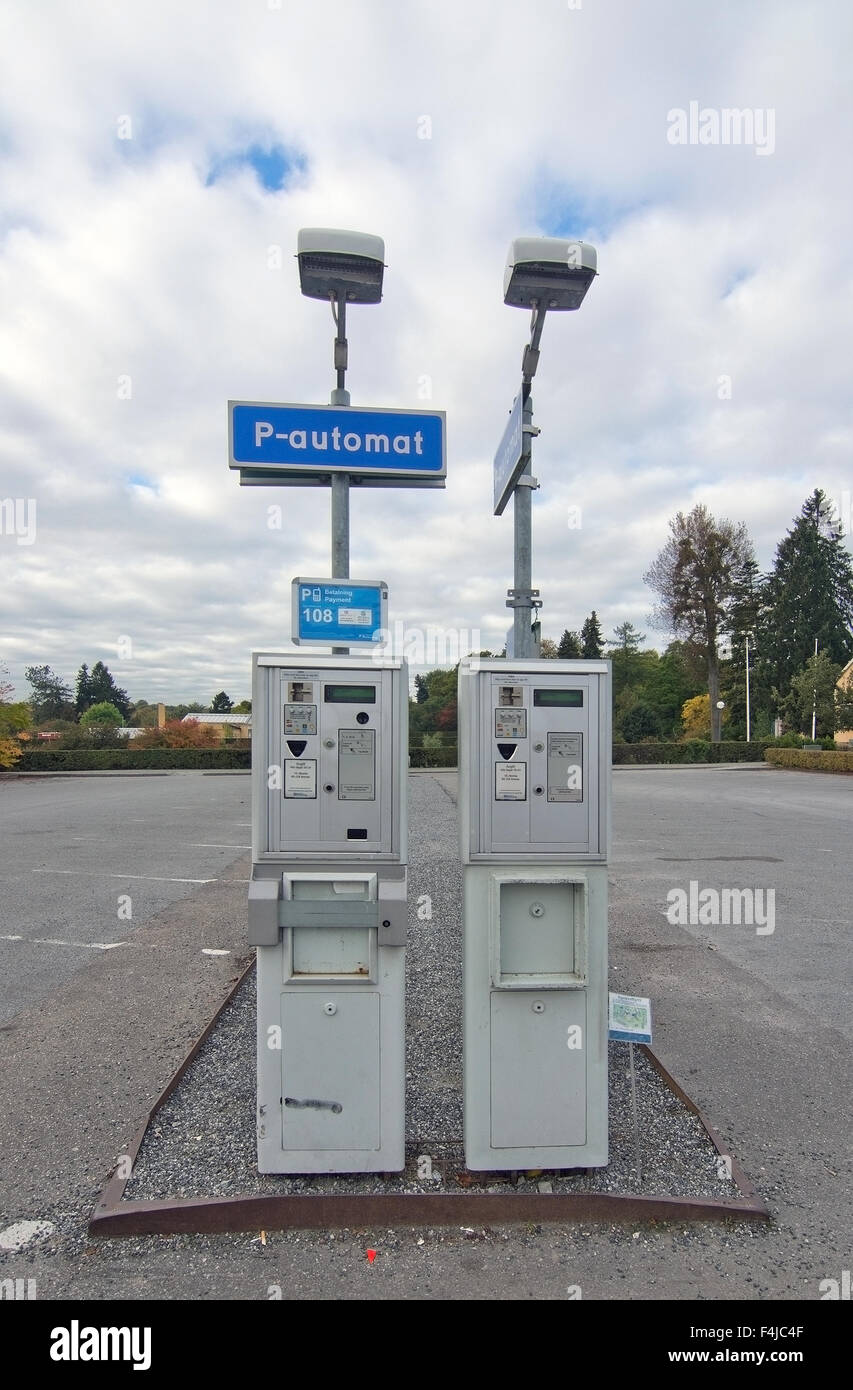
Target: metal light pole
[[747, 686], [340, 481], [542, 273], [523, 599], [340, 266], [814, 701]]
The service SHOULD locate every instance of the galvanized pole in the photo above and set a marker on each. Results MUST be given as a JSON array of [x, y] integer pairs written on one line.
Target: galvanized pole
[[748, 687], [524, 599], [524, 645], [340, 481]]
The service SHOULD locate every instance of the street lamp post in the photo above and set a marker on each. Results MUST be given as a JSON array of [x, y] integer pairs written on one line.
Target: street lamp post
[[542, 273], [341, 267], [748, 635]]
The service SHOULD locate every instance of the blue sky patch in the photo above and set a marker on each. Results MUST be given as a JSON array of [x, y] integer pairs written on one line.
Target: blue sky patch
[[274, 165], [736, 278], [560, 210]]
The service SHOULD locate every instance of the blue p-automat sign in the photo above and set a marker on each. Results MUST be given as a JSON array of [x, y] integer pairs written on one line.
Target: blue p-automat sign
[[397, 447], [339, 612]]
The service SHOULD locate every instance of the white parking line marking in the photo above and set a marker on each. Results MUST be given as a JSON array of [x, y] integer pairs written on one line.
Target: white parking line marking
[[23, 1233], [149, 878], [189, 844], [209, 951], [54, 941]]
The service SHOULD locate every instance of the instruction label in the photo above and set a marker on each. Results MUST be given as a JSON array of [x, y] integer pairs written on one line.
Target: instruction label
[[356, 774], [510, 781], [565, 767], [300, 777]]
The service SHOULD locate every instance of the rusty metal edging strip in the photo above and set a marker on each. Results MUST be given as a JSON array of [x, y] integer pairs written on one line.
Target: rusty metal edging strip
[[304, 1211], [114, 1190], [114, 1217], [739, 1177]]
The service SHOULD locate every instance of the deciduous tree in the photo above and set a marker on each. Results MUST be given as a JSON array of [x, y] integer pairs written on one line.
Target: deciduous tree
[[696, 577]]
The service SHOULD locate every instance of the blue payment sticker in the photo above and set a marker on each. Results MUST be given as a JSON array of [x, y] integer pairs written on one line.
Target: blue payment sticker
[[336, 612]]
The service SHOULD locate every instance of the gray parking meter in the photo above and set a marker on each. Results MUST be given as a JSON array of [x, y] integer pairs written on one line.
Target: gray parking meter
[[327, 910], [534, 809]]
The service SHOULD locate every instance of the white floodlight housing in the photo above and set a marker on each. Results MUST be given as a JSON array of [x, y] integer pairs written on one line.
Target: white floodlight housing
[[332, 262], [548, 272]]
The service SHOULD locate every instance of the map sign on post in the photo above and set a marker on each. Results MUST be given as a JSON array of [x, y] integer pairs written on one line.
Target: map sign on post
[[510, 457], [300, 443], [339, 612], [630, 1019]]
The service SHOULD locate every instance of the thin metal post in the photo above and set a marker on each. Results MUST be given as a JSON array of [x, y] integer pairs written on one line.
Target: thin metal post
[[633, 1076], [748, 687], [340, 481], [523, 602], [522, 569], [814, 703]]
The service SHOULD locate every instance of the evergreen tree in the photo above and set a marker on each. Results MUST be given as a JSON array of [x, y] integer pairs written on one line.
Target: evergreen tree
[[592, 642], [421, 690], [808, 595], [631, 669], [51, 697], [221, 703], [82, 698], [814, 692], [103, 690], [626, 638], [747, 628], [569, 646]]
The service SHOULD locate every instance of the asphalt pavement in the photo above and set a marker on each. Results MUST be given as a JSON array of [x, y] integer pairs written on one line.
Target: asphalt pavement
[[756, 1028]]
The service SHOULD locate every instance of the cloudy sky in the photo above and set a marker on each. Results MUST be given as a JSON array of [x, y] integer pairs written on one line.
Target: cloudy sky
[[158, 160]]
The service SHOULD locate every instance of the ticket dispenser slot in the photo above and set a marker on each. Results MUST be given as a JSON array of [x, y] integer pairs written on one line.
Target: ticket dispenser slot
[[539, 933]]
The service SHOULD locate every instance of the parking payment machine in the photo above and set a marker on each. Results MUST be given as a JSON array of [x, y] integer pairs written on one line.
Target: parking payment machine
[[327, 910], [534, 810]]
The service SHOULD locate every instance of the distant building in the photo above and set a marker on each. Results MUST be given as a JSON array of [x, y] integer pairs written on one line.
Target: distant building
[[844, 737], [130, 733], [226, 725]]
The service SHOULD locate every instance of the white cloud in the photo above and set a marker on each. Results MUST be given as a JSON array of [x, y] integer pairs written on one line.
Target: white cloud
[[137, 300]]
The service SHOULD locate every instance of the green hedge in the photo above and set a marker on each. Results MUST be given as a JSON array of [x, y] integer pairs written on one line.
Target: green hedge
[[695, 750], [810, 761], [433, 757], [124, 759]]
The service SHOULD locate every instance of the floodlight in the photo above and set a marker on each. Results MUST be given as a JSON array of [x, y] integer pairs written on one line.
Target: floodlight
[[345, 265], [548, 272]]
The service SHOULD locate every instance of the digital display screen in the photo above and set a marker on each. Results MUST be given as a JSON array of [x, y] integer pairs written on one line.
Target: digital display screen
[[349, 694], [559, 698]]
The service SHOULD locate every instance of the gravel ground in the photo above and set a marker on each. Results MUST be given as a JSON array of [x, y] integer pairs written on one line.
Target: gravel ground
[[202, 1141]]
